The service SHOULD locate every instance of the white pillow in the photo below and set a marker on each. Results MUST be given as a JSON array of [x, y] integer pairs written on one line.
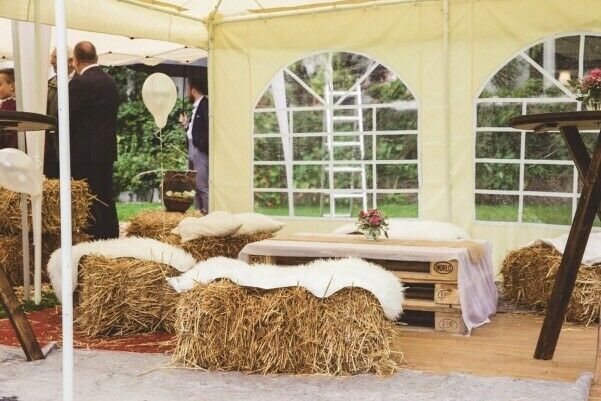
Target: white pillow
[[416, 229], [216, 224], [255, 223]]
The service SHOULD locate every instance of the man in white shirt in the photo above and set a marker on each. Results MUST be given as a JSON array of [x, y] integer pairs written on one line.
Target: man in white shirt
[[197, 131]]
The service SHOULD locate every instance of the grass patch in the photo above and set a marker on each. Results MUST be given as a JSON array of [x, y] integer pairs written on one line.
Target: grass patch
[[48, 301], [126, 210]]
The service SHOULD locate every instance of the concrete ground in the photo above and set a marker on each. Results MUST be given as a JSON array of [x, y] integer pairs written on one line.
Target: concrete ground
[[114, 376]]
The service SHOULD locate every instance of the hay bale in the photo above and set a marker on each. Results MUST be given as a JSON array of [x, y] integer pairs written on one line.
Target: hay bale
[[124, 296], [224, 326], [156, 223], [11, 255], [81, 201], [528, 278]]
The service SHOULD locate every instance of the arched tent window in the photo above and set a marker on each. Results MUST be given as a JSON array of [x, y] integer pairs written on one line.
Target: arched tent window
[[334, 133], [527, 177]]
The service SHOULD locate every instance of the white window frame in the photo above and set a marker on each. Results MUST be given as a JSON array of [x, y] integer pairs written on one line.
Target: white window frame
[[522, 161], [373, 191]]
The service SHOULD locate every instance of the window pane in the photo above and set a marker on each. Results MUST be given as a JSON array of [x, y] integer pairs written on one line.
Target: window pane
[[270, 176], [592, 53], [398, 205], [548, 146], [396, 147], [349, 147], [271, 203], [348, 207], [548, 210], [536, 108], [266, 123], [309, 148], [311, 70], [308, 177], [352, 180], [496, 207], [498, 176], [397, 176], [498, 145], [382, 86], [308, 121], [368, 119], [348, 68], [266, 101], [268, 149], [296, 94], [390, 119], [497, 114], [311, 205], [565, 62], [548, 178]]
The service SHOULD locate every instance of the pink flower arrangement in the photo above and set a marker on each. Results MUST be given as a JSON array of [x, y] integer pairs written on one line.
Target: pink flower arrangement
[[588, 89], [372, 223]]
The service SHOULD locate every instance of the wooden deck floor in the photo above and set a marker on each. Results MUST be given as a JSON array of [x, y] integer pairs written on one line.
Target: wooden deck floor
[[502, 348]]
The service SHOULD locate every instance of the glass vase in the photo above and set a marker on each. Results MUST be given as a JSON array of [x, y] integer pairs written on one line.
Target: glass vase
[[372, 235], [593, 105]]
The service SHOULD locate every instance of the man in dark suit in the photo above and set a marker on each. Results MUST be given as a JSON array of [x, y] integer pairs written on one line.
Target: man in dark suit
[[93, 106], [198, 138]]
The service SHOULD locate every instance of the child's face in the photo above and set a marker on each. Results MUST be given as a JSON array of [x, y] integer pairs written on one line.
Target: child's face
[[6, 89]]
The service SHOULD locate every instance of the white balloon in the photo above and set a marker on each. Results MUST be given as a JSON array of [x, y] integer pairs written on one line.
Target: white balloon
[[18, 172], [159, 96]]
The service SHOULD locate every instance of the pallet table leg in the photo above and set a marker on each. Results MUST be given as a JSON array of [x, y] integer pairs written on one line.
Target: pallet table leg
[[18, 320], [584, 218], [598, 357]]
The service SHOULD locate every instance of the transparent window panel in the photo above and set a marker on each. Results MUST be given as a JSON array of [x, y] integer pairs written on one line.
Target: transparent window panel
[[296, 94], [268, 149], [548, 146], [590, 139], [309, 148], [348, 68], [349, 207], [396, 147], [311, 205], [497, 207], [271, 203], [353, 180], [270, 176], [565, 62], [266, 101], [547, 210], [397, 176], [266, 123], [592, 53], [368, 121], [399, 205], [383, 86], [537, 108], [497, 114], [310, 176], [308, 121], [497, 176], [597, 222], [520, 79], [391, 119], [498, 145], [548, 178], [311, 70]]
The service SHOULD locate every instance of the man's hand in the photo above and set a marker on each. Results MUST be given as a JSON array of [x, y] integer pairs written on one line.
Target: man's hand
[[184, 120]]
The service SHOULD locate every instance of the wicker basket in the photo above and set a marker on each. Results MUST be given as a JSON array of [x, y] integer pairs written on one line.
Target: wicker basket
[[178, 181]]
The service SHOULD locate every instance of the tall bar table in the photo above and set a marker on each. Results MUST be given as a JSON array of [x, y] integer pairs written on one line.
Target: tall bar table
[[589, 169]]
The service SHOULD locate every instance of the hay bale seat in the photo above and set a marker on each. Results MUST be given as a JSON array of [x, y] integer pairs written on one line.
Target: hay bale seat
[[158, 225], [224, 326], [528, 278], [81, 201], [124, 296], [11, 255]]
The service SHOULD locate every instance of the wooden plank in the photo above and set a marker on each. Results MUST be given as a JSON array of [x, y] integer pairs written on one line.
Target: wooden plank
[[447, 271], [429, 306], [18, 320], [446, 294], [449, 323], [588, 205]]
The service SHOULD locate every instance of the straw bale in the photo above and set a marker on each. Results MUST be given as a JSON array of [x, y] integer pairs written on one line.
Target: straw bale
[[124, 296], [81, 200], [528, 278], [224, 326], [11, 254], [156, 223]]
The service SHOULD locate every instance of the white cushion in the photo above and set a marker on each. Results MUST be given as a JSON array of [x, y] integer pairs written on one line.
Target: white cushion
[[416, 229], [216, 224], [255, 223]]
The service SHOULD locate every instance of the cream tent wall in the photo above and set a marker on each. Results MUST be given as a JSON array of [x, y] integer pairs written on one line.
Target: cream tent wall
[[407, 38]]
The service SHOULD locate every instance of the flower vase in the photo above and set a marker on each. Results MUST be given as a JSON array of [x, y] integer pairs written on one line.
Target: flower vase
[[372, 235]]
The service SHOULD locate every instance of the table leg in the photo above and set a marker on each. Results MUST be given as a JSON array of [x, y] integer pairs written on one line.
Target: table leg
[[584, 218]]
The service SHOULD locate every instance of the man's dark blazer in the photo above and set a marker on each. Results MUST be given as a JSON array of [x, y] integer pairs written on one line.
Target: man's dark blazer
[[200, 126], [93, 106]]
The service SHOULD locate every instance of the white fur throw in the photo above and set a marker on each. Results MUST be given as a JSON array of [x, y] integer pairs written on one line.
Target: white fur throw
[[321, 277], [130, 247]]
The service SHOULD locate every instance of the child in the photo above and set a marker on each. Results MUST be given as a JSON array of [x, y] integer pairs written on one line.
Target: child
[[7, 103]]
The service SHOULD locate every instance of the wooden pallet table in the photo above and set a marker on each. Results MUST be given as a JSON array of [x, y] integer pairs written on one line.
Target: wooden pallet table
[[432, 297]]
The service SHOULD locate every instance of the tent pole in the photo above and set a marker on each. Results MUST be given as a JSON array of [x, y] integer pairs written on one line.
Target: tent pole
[[65, 196], [447, 107]]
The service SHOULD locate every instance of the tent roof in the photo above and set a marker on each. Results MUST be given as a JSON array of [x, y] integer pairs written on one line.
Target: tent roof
[[177, 21]]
